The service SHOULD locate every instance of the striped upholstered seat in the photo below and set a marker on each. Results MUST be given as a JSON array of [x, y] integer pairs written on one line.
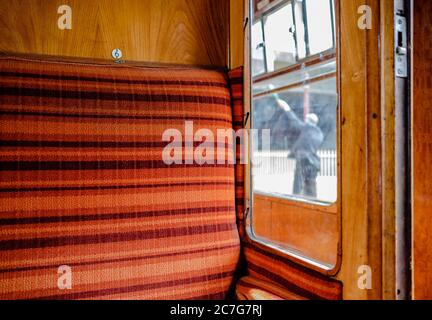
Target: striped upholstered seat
[[83, 184]]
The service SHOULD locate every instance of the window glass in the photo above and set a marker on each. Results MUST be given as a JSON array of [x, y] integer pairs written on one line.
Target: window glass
[[320, 69], [280, 44], [319, 24], [300, 29], [294, 171], [301, 161], [258, 62], [334, 20]]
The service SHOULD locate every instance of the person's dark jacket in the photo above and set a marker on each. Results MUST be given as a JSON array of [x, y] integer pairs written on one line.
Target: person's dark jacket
[[310, 139]]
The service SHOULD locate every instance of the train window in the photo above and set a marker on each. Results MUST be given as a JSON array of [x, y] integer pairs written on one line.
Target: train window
[[258, 54], [300, 30], [301, 160], [280, 46], [290, 32], [294, 173], [319, 25]]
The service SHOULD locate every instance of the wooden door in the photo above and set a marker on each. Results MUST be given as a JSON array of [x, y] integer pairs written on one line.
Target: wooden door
[[422, 149]]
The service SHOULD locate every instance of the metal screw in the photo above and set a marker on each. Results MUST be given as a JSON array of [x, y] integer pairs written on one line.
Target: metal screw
[[117, 54]]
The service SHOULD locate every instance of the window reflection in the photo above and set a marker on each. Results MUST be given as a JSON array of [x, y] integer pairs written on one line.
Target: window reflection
[[302, 160], [320, 25], [300, 30], [258, 59], [279, 39], [291, 32]]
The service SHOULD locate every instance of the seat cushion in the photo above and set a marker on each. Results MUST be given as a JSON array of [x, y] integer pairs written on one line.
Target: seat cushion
[[89, 209], [250, 288]]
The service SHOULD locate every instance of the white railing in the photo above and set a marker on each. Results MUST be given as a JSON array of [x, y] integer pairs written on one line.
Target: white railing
[[277, 162]]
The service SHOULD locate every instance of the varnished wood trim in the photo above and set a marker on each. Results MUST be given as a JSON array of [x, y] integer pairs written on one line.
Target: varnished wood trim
[[237, 30], [388, 149], [361, 150], [421, 149], [307, 62], [297, 84], [330, 209], [77, 60]]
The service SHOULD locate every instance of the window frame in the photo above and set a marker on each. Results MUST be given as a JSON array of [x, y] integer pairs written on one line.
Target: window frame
[[276, 5], [333, 208], [262, 46]]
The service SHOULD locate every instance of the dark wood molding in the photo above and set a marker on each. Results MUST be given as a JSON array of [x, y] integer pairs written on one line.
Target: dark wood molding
[[307, 62], [96, 61], [296, 84]]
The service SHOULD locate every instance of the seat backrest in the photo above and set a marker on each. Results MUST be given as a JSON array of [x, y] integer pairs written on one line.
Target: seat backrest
[[87, 201]]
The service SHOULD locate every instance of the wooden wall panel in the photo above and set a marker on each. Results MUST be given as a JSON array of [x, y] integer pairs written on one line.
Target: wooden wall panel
[[361, 150], [237, 44], [388, 150], [298, 227], [167, 31], [422, 149]]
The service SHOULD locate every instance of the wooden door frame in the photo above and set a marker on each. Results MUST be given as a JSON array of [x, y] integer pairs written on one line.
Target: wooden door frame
[[367, 143], [421, 150]]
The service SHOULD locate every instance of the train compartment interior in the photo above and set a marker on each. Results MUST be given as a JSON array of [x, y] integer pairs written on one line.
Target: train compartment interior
[[215, 150]]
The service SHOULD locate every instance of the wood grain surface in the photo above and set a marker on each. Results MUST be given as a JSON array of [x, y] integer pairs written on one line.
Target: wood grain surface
[[168, 31], [422, 149]]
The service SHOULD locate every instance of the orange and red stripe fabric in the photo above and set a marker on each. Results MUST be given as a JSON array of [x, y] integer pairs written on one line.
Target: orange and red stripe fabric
[[236, 85], [298, 280], [83, 184]]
